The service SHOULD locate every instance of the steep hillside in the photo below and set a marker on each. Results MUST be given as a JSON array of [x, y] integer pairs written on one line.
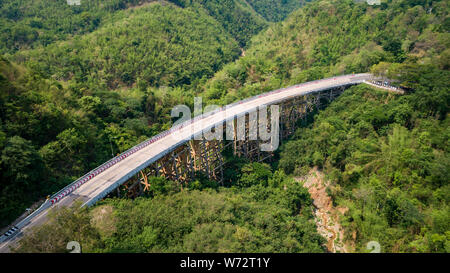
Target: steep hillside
[[27, 24], [276, 10], [57, 108], [236, 16], [388, 160], [336, 37], [159, 45]]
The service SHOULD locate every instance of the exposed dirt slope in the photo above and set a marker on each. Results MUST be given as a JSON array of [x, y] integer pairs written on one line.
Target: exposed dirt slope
[[327, 216]]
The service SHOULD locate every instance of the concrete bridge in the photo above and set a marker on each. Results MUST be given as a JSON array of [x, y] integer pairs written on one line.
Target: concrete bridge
[[181, 151]]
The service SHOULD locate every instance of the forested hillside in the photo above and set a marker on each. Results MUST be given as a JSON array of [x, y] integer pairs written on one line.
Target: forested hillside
[[236, 16], [106, 86], [30, 23], [157, 45], [276, 10], [80, 84], [328, 38], [274, 215], [387, 157], [59, 116], [51, 133]]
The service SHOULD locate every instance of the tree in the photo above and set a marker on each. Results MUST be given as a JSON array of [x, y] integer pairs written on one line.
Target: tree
[[254, 174], [21, 164], [63, 226]]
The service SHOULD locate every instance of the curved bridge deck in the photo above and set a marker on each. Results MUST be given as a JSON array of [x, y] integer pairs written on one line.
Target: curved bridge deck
[[96, 184]]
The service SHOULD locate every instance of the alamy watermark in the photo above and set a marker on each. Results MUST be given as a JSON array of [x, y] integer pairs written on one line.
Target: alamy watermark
[[373, 2], [374, 246], [73, 2], [210, 125], [74, 246], [369, 2]]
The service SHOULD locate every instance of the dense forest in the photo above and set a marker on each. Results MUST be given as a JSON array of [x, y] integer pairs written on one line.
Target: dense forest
[[165, 47], [81, 84], [105, 80], [264, 212], [62, 109], [26, 24], [327, 38], [276, 10], [387, 157]]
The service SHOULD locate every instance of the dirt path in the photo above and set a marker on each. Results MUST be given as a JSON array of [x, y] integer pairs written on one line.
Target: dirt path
[[327, 216]]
